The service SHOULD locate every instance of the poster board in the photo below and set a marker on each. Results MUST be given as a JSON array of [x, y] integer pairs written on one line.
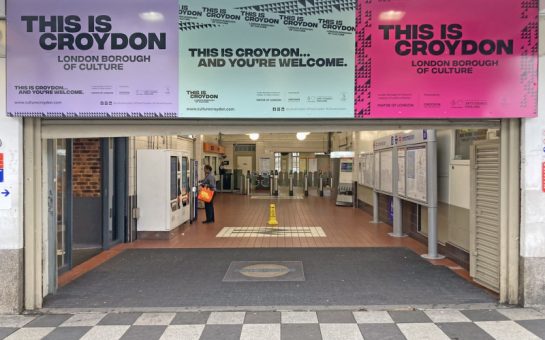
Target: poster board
[[416, 177], [386, 171], [365, 169], [376, 172], [401, 172]]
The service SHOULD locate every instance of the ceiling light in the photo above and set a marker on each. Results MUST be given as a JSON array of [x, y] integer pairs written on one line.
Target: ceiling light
[[302, 135], [254, 136]]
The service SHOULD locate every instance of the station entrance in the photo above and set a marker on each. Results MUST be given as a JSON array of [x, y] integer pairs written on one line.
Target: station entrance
[[126, 216]]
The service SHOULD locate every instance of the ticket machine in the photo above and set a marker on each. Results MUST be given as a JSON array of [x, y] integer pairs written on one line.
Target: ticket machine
[[163, 192]]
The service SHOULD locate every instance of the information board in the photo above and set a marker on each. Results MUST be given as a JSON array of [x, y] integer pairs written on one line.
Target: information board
[[386, 171], [401, 172], [416, 182]]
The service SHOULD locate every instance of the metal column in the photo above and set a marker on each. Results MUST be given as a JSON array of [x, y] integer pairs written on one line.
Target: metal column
[[432, 197], [397, 228], [375, 208]]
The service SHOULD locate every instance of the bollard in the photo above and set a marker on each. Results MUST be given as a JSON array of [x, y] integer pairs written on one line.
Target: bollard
[[291, 185], [306, 184], [272, 215]]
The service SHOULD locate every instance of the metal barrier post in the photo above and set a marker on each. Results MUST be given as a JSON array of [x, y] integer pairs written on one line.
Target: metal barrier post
[[248, 184], [306, 184], [321, 187], [271, 183], [291, 185], [242, 184], [275, 183]]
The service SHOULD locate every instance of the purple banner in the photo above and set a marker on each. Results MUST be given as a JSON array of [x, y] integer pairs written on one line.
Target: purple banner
[[94, 59]]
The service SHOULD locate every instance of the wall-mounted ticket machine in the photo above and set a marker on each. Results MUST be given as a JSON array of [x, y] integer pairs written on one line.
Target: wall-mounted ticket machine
[[344, 191], [163, 190]]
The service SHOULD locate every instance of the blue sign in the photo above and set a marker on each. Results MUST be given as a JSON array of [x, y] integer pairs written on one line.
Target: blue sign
[[1, 175]]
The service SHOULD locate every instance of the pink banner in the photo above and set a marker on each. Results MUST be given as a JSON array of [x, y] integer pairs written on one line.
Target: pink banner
[[446, 59]]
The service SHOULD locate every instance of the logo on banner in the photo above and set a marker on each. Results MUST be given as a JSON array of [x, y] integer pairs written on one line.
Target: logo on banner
[[1, 168]]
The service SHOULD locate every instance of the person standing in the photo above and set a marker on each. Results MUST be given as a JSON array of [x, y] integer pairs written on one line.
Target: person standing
[[209, 181]]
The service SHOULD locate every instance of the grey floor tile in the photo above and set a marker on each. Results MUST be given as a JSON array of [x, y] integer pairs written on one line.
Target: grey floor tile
[[67, 333], [262, 317], [484, 315], [190, 318], [300, 332], [5, 331], [464, 330], [535, 326], [144, 333], [412, 316], [50, 320], [381, 331], [336, 317], [119, 319], [224, 332]]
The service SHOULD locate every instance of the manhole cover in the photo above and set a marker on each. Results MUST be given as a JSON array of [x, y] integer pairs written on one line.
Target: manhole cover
[[240, 271], [264, 270]]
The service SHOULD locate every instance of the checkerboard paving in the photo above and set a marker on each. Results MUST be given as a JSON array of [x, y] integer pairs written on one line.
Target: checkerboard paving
[[436, 324], [251, 232]]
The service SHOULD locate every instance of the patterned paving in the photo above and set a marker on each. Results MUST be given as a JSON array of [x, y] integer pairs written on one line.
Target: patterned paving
[[436, 324], [271, 232]]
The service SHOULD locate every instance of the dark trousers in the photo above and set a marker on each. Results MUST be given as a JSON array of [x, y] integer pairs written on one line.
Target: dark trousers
[[209, 209]]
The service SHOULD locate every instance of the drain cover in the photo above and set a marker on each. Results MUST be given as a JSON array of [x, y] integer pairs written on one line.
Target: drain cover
[[241, 271]]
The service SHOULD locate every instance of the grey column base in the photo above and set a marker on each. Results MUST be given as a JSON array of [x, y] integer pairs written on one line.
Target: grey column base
[[395, 235], [375, 222], [430, 257], [11, 281], [532, 281]]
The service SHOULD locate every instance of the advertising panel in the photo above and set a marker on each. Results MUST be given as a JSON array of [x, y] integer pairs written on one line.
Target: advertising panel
[[94, 59], [267, 59], [446, 59]]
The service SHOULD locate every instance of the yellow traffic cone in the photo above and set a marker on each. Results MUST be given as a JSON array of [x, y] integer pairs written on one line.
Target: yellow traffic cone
[[272, 215]]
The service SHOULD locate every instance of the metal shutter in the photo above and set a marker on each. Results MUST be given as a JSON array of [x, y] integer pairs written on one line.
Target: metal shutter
[[485, 214]]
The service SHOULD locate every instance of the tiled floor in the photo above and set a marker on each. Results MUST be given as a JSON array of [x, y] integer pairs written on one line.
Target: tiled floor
[[435, 324], [338, 227]]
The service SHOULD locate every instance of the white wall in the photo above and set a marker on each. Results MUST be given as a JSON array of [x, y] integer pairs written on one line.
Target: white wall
[[532, 235], [269, 143], [11, 208]]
